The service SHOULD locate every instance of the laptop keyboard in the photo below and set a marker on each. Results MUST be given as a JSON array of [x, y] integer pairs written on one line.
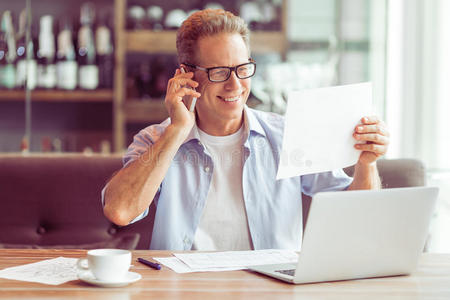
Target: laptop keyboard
[[290, 272]]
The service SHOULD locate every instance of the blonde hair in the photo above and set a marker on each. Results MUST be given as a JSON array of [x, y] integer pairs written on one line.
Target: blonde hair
[[207, 22]]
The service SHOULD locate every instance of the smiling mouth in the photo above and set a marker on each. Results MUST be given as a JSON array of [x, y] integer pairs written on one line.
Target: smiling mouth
[[230, 99]]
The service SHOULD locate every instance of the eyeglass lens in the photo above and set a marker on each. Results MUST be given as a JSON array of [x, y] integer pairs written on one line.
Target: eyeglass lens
[[222, 74]]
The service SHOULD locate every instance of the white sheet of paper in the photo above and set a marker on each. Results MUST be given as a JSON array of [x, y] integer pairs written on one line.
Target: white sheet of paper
[[236, 259], [179, 266], [318, 128], [52, 271]]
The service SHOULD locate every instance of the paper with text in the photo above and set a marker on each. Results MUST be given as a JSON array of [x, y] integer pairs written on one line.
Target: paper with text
[[319, 126], [236, 259], [180, 267], [52, 271]]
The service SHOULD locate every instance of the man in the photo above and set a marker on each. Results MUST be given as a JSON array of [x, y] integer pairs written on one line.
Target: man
[[212, 172]]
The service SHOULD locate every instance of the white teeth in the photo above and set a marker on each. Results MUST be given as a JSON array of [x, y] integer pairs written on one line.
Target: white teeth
[[231, 99]]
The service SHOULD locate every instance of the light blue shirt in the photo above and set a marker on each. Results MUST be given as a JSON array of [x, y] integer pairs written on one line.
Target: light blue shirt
[[273, 207]]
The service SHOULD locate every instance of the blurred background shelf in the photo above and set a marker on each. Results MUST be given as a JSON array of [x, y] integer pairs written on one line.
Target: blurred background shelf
[[145, 111], [59, 96], [306, 44], [152, 42]]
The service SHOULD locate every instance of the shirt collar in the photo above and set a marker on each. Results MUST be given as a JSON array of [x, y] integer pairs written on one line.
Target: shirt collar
[[251, 123], [193, 134]]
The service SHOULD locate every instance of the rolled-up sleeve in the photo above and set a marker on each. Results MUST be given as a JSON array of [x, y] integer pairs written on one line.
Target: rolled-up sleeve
[[335, 180]]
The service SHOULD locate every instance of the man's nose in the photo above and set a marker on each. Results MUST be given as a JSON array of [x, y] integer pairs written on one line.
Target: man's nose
[[233, 82]]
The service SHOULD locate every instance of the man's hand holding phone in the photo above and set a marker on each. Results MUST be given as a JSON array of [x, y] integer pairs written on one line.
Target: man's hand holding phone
[[181, 85], [194, 99]]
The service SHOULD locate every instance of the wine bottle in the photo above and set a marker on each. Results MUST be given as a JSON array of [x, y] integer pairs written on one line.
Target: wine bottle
[[105, 58], [7, 52], [46, 54], [66, 66], [21, 65], [88, 70], [3, 53], [26, 71]]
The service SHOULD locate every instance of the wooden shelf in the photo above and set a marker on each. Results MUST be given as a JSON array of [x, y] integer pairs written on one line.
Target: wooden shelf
[[58, 95], [147, 41], [268, 42], [145, 111]]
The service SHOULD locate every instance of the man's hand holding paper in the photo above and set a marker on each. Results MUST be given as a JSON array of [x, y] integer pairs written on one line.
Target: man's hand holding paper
[[321, 128], [376, 135]]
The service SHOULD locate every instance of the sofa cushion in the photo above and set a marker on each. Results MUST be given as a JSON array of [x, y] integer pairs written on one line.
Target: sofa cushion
[[55, 200], [128, 242], [395, 173]]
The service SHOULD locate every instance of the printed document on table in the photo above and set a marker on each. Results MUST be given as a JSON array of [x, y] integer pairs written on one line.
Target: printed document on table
[[236, 259], [52, 271], [319, 126], [178, 266]]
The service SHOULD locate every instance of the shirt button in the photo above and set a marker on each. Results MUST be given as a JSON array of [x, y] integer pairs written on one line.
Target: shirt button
[[200, 143], [206, 169], [186, 240]]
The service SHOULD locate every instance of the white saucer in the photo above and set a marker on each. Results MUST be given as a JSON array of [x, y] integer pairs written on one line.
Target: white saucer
[[88, 277]]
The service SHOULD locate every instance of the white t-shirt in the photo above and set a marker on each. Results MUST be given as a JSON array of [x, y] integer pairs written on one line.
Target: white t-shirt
[[224, 225]]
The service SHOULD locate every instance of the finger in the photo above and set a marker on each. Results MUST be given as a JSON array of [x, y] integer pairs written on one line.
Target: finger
[[187, 81], [186, 91], [375, 148], [370, 120], [179, 81], [175, 85], [372, 129], [372, 137], [185, 75]]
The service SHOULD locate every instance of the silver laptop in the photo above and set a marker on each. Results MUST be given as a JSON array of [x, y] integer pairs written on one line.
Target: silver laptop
[[361, 234]]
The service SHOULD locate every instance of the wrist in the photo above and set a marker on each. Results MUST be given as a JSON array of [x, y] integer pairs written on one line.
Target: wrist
[[366, 176], [179, 133], [362, 165]]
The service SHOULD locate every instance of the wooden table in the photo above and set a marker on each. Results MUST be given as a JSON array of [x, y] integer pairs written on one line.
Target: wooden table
[[430, 281]]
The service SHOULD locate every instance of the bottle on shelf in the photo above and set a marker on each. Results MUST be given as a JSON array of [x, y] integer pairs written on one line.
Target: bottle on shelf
[[155, 16], [105, 57], [88, 70], [144, 79], [66, 66], [7, 52], [160, 76], [136, 18], [46, 54], [162, 68], [26, 71]]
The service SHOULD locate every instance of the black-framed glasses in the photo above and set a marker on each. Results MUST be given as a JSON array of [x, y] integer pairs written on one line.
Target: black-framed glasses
[[221, 74]]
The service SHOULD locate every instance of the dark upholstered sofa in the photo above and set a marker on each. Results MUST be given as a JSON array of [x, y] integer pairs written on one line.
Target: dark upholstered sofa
[[54, 201]]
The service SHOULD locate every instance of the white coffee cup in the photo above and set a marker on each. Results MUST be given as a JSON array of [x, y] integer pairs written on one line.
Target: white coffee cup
[[106, 264]]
